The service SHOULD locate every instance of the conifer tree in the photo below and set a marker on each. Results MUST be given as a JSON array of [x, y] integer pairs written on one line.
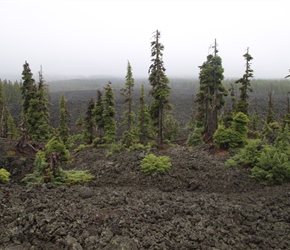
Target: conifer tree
[[98, 115], [63, 130], [160, 89], [286, 117], [243, 104], [109, 115], [8, 128], [210, 97], [89, 123], [270, 114], [42, 130], [79, 123], [28, 91], [143, 118], [127, 93]]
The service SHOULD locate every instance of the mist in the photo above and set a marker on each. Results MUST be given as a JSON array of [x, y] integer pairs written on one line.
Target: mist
[[87, 39]]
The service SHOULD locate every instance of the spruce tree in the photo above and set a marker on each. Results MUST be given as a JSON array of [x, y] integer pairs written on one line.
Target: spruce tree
[[160, 89], [63, 130], [210, 97], [89, 122], [109, 115], [243, 104], [143, 118]]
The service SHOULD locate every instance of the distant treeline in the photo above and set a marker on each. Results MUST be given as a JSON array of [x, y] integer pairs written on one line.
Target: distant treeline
[[259, 86]]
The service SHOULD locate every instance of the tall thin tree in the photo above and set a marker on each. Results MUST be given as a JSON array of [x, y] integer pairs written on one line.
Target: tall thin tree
[[127, 93], [159, 82], [243, 105]]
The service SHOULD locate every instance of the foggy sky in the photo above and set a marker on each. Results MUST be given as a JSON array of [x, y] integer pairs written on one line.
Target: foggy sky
[[87, 38]]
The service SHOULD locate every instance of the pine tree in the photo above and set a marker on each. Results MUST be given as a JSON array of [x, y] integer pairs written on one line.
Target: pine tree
[[210, 97], [243, 104], [63, 130], [143, 118], [109, 115], [89, 122], [160, 89]]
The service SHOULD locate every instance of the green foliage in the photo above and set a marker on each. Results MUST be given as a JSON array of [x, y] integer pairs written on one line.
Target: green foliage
[[270, 164], [7, 126], [243, 105], [248, 155], [89, 123], [160, 89], [273, 166], [79, 148], [55, 145], [108, 115], [63, 130], [144, 130], [210, 97], [270, 114], [127, 92], [115, 148], [195, 138], [43, 174], [35, 106], [4, 175], [155, 164], [77, 177], [129, 138], [171, 127], [233, 137]]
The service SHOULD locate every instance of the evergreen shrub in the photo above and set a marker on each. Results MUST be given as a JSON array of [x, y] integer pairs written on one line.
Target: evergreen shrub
[[155, 164], [4, 175]]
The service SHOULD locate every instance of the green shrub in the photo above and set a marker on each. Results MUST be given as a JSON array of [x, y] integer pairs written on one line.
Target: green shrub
[[54, 145], [233, 137], [195, 138], [155, 164], [76, 177], [115, 148], [79, 148], [273, 166], [43, 174], [4, 175], [247, 156]]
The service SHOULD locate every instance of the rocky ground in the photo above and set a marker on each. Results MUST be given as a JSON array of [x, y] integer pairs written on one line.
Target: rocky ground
[[198, 204]]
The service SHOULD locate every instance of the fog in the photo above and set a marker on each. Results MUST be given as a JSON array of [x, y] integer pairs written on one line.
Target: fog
[[86, 39]]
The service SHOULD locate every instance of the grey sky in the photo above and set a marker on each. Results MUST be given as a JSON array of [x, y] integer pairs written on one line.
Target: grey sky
[[85, 38]]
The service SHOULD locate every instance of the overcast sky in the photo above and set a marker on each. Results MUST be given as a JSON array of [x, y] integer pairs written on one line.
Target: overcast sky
[[85, 38]]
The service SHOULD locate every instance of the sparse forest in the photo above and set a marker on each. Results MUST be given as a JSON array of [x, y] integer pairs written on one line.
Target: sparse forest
[[156, 163]]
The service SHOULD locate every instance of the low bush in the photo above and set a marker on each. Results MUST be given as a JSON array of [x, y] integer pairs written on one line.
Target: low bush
[[4, 175], [155, 164]]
